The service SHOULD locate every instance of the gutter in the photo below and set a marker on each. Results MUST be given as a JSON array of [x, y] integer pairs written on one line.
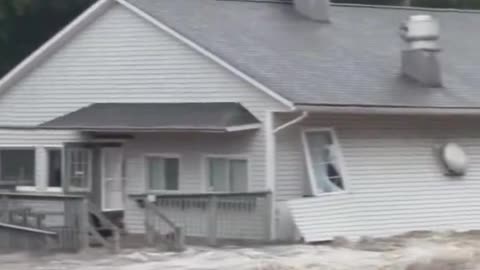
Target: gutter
[[385, 110]]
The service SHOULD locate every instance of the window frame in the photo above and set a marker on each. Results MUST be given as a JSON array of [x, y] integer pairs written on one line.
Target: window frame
[[308, 160], [25, 188], [47, 169], [163, 156], [69, 188], [228, 157]]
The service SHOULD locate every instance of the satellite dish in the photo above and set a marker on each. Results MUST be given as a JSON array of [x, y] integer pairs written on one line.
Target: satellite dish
[[455, 159]]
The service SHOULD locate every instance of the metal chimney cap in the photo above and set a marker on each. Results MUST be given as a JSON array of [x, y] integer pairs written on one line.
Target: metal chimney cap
[[421, 32], [422, 17]]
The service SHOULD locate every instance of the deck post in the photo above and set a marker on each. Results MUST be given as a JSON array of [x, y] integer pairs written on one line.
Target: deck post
[[268, 216], [179, 239], [212, 218], [6, 209], [84, 223], [149, 230]]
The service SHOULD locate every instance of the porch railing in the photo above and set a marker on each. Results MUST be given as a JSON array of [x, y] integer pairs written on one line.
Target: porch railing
[[55, 221], [104, 225], [216, 216], [160, 230]]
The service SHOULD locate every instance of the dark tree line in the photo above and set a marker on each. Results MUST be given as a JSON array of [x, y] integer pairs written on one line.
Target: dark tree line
[[464, 4], [26, 24]]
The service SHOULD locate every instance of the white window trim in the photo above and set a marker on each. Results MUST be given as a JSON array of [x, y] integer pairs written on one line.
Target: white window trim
[[206, 173], [89, 186], [47, 173], [35, 164], [340, 160], [164, 156]]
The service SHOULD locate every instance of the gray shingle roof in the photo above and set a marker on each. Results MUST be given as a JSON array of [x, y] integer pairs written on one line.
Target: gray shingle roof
[[218, 117], [355, 60]]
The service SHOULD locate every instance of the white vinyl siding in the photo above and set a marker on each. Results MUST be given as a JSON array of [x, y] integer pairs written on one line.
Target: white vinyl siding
[[191, 148], [123, 58], [395, 180]]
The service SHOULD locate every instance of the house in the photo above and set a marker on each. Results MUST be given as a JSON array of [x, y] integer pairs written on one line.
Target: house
[[253, 120]]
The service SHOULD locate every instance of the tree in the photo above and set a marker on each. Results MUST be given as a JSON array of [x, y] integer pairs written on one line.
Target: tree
[[26, 24], [371, 2], [462, 4]]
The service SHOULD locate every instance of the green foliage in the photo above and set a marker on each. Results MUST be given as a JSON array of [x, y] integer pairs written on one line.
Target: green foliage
[[371, 2], [26, 24], [462, 4]]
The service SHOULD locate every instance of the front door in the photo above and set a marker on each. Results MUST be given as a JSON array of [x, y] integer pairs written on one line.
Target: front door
[[111, 179]]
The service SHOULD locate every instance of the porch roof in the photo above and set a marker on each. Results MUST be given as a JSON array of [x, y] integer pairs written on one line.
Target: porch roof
[[145, 117]]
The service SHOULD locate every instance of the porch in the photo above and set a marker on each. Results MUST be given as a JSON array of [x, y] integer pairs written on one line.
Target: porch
[[58, 222], [197, 176], [211, 217]]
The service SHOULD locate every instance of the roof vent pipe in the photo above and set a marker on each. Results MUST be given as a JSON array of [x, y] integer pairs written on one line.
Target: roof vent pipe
[[420, 60], [317, 10]]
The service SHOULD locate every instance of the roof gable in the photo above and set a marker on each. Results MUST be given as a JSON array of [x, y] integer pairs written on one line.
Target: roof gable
[[93, 13]]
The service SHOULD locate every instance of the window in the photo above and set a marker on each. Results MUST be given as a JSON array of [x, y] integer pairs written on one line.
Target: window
[[228, 175], [54, 168], [322, 161], [162, 173], [17, 166], [79, 168]]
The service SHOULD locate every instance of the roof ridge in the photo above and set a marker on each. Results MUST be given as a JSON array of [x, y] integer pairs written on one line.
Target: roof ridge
[[445, 10], [394, 7]]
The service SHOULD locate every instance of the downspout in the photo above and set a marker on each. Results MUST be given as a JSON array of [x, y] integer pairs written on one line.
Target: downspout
[[270, 133], [293, 122]]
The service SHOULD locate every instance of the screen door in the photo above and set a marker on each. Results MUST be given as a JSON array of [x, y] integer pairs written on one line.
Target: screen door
[[112, 182]]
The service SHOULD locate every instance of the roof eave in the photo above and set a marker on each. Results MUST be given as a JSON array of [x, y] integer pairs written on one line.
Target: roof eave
[[387, 110], [228, 129]]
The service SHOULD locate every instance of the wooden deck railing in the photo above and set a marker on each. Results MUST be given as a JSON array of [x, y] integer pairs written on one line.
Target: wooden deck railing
[[55, 221], [214, 216], [172, 236], [104, 224]]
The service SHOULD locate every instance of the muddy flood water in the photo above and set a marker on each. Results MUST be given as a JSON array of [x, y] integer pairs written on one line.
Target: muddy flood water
[[416, 251]]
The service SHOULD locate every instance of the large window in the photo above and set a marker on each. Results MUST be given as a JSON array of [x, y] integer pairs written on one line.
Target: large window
[[322, 156], [54, 169], [227, 175], [162, 173], [17, 166]]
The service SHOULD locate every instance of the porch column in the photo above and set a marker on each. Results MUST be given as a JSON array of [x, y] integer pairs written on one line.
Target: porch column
[[270, 168]]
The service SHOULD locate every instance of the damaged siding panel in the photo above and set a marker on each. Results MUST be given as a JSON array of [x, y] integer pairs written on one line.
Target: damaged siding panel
[[317, 218], [396, 181]]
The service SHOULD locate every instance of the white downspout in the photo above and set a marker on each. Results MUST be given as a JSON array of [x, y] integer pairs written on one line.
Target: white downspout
[[294, 121], [270, 135]]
